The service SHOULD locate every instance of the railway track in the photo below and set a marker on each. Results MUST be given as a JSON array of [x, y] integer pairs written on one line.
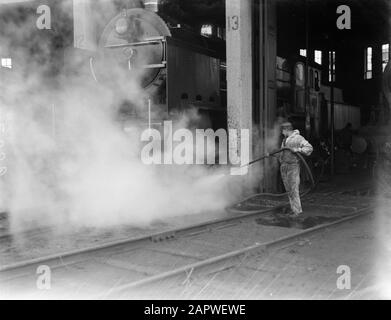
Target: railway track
[[156, 237], [171, 259], [25, 233], [229, 259], [272, 202]]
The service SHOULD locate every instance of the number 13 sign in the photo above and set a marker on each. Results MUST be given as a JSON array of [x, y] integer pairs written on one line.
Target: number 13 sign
[[233, 23]]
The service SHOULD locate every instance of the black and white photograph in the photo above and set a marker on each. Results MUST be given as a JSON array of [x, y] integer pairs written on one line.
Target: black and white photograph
[[223, 151]]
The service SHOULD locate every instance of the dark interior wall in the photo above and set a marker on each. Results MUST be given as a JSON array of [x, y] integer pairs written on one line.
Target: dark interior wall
[[370, 27], [350, 65]]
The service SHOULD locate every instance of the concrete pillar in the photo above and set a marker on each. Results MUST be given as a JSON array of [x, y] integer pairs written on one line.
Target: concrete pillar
[[239, 66]]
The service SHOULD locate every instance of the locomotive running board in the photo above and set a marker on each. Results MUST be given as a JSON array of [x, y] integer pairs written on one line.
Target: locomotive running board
[[147, 41]]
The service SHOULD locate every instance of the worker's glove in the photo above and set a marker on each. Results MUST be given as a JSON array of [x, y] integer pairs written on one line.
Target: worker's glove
[[296, 150]]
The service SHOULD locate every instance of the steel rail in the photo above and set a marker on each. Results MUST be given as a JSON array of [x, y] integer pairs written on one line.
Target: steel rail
[[83, 253]]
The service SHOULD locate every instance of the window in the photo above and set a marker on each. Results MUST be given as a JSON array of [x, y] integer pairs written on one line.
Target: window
[[283, 72], [311, 78], [207, 30], [385, 54], [318, 56], [303, 52], [368, 63], [332, 66], [6, 63], [317, 80], [299, 74]]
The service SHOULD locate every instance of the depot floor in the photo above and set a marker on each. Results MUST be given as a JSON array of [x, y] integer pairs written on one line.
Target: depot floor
[[307, 269]]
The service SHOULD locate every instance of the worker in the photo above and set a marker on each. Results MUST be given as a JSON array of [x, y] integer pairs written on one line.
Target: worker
[[290, 165]]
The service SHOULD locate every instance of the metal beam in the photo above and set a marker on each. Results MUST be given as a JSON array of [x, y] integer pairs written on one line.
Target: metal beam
[[268, 132]]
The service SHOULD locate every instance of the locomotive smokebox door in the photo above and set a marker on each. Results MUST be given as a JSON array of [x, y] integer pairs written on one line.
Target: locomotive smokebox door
[[132, 52]]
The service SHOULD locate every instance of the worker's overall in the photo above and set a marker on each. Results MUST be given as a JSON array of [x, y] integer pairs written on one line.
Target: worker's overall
[[290, 167]]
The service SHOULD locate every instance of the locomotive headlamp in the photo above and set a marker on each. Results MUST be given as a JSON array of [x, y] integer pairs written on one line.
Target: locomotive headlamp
[[121, 26]]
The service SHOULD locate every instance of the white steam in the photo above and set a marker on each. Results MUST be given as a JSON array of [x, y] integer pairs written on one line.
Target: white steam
[[69, 160]]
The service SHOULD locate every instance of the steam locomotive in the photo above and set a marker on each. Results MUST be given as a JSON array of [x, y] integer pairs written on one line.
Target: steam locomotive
[[118, 40], [178, 70], [291, 100]]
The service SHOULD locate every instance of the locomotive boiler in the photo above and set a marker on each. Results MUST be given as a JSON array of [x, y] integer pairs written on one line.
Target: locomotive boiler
[[122, 42], [177, 70]]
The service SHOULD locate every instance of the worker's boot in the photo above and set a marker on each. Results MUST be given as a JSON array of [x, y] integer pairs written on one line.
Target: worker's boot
[[295, 215], [286, 210]]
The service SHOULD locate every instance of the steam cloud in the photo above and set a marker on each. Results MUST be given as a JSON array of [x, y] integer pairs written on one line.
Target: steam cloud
[[69, 161]]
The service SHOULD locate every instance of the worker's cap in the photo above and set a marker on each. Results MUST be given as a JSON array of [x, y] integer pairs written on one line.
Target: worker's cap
[[286, 125]]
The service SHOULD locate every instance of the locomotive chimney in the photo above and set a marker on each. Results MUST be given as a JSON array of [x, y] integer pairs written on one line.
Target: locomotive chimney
[[152, 5], [83, 25]]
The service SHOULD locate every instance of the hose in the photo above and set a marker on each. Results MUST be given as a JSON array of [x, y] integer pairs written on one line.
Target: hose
[[301, 158]]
